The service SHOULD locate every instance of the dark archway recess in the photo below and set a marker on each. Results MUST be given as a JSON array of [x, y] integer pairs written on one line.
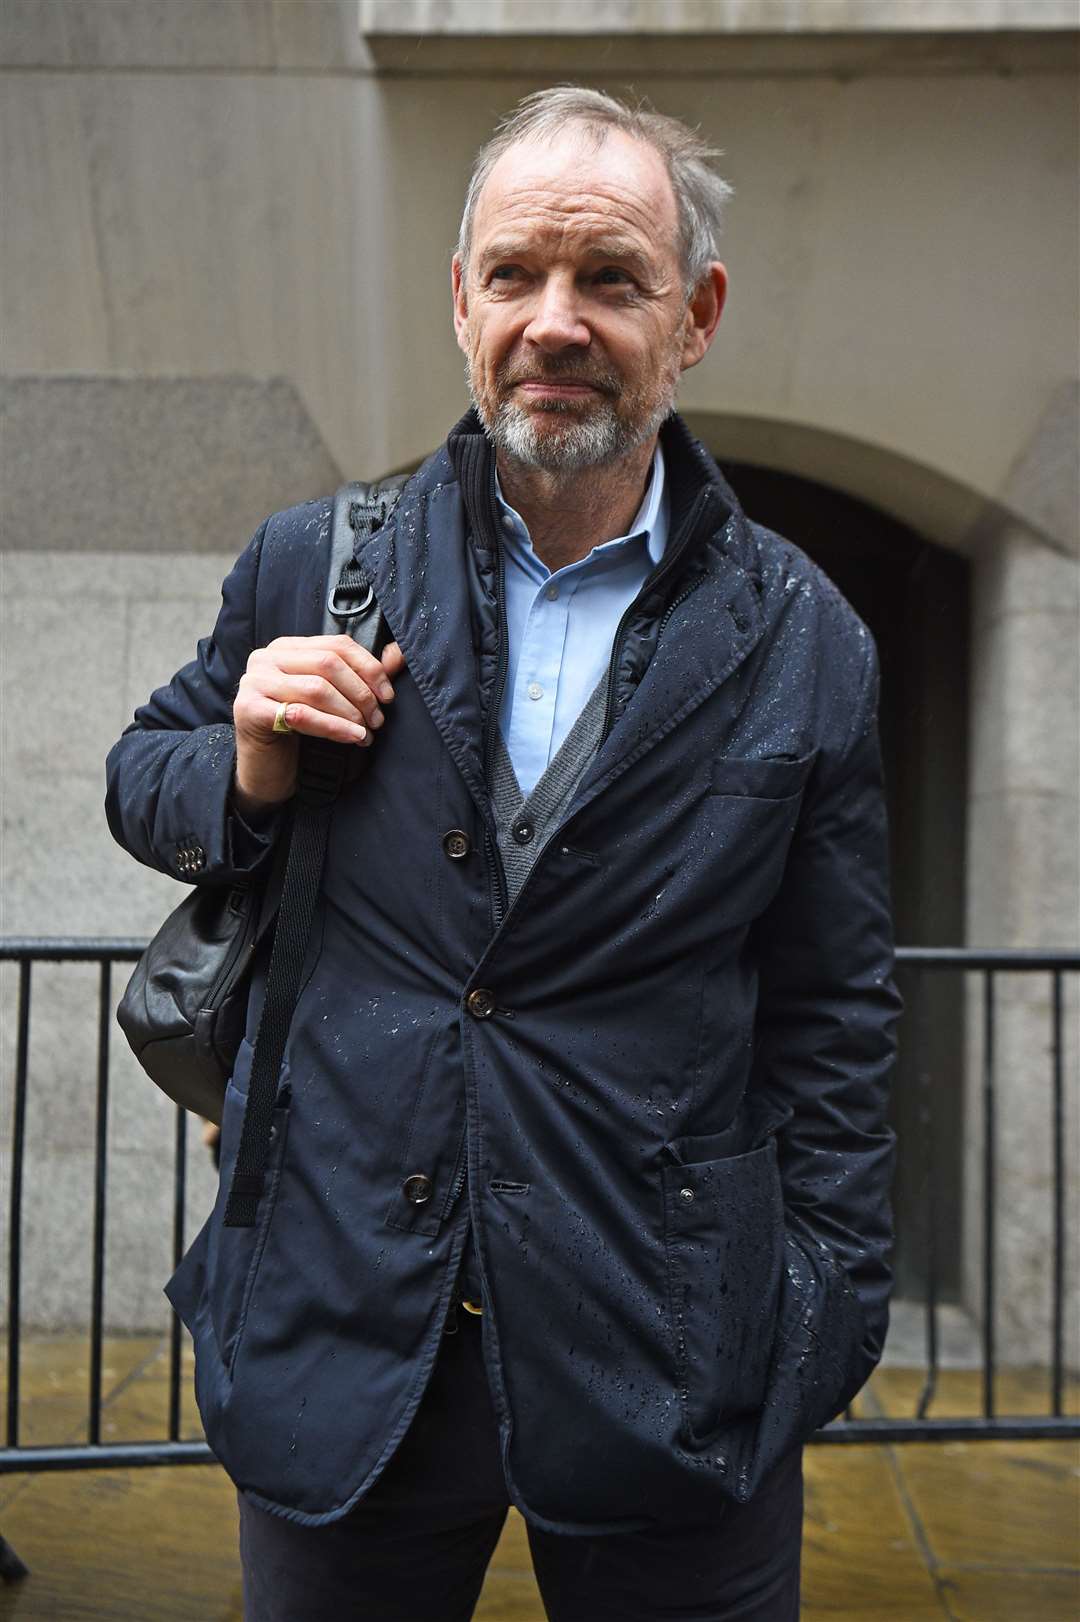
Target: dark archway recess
[[915, 598]]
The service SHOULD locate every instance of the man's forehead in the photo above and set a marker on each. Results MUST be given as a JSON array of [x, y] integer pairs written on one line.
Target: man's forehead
[[620, 176]]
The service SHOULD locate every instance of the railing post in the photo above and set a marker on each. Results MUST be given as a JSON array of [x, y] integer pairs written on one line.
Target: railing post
[[1057, 1378], [926, 1148], [179, 1200], [989, 1193], [101, 1128], [18, 1151]]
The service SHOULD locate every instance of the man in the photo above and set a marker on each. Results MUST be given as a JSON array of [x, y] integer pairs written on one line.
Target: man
[[578, 1192]]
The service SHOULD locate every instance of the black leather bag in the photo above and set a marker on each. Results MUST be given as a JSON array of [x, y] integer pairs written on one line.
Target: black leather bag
[[185, 1007]]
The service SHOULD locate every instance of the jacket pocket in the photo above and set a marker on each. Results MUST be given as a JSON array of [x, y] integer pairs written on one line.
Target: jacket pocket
[[776, 779], [233, 1254], [749, 818], [723, 1236]]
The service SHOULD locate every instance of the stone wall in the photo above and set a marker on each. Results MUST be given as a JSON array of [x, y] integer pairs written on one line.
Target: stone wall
[[136, 620], [124, 503]]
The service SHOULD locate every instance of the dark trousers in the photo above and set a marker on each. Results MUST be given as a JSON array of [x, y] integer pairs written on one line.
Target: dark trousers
[[416, 1548]]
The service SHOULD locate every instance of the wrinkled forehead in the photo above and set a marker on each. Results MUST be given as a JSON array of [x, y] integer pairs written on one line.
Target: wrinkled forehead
[[578, 180]]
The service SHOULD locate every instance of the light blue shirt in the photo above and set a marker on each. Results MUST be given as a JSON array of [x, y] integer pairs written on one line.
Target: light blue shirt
[[561, 626]]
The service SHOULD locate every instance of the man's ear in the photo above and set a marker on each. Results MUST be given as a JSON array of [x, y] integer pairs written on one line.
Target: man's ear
[[703, 314], [461, 304]]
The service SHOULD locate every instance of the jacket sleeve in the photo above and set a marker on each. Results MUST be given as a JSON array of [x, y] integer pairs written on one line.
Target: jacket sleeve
[[169, 776], [824, 1052]]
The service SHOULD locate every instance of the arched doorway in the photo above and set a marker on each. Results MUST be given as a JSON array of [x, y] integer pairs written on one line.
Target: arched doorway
[[915, 597]]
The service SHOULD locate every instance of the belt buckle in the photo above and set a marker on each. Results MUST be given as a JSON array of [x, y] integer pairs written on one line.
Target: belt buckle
[[451, 1325]]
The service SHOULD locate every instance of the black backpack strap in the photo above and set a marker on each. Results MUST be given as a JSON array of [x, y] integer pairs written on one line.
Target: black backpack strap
[[324, 767], [359, 510]]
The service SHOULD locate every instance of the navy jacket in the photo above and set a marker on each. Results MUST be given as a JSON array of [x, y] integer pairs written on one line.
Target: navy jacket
[[666, 1112]]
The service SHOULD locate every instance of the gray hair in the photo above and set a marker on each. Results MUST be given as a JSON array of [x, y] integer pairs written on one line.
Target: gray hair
[[700, 193]]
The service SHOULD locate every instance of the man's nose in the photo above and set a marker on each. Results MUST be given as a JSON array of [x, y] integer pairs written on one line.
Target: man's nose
[[556, 322]]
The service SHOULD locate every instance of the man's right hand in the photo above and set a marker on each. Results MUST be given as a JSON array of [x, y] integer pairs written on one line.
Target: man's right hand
[[331, 687]]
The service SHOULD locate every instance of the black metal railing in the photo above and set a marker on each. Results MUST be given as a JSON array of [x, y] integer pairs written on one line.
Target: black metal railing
[[171, 1449], [94, 1453]]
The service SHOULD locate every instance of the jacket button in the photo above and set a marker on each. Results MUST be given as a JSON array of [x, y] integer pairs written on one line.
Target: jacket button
[[417, 1188], [456, 844], [523, 831], [481, 1003]]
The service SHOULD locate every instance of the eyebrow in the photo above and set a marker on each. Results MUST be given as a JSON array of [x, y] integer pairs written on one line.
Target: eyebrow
[[610, 249]]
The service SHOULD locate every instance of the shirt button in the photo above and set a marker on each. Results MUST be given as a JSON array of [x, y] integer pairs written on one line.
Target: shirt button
[[456, 844], [535, 690], [480, 1003], [508, 522], [523, 831], [417, 1188], [551, 593]]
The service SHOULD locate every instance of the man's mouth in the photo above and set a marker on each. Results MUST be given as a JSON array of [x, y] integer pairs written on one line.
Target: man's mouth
[[556, 388]]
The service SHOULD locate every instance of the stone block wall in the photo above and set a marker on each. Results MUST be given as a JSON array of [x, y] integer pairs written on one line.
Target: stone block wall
[[125, 503]]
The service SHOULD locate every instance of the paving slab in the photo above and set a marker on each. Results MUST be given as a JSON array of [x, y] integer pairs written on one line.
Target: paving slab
[[859, 1545], [1005, 1503], [510, 1593], [125, 1545], [991, 1595]]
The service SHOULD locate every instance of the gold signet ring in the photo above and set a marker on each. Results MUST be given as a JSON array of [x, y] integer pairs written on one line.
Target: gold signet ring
[[280, 723]]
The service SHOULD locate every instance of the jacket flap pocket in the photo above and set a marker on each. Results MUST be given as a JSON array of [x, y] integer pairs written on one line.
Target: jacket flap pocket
[[756, 1120], [723, 1238], [776, 779]]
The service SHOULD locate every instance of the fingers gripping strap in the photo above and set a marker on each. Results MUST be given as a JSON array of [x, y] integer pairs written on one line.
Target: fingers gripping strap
[[358, 511]]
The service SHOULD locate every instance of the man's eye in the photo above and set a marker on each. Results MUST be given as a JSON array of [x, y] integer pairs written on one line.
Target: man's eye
[[504, 273], [611, 274]]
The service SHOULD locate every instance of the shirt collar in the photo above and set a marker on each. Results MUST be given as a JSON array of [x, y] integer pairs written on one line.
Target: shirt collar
[[650, 521]]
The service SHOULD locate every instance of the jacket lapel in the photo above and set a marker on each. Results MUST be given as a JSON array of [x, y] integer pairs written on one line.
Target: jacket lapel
[[423, 567], [419, 568], [716, 621], [707, 638]]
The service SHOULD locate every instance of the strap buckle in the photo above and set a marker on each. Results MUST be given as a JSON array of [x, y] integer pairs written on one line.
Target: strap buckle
[[352, 608]]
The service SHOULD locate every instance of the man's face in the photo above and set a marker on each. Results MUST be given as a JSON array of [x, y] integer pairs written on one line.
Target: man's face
[[572, 313]]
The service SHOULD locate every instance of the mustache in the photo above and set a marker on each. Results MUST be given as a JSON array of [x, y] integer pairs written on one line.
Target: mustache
[[556, 370]]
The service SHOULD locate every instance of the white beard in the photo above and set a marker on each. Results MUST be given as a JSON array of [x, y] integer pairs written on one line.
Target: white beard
[[579, 442], [592, 441]]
